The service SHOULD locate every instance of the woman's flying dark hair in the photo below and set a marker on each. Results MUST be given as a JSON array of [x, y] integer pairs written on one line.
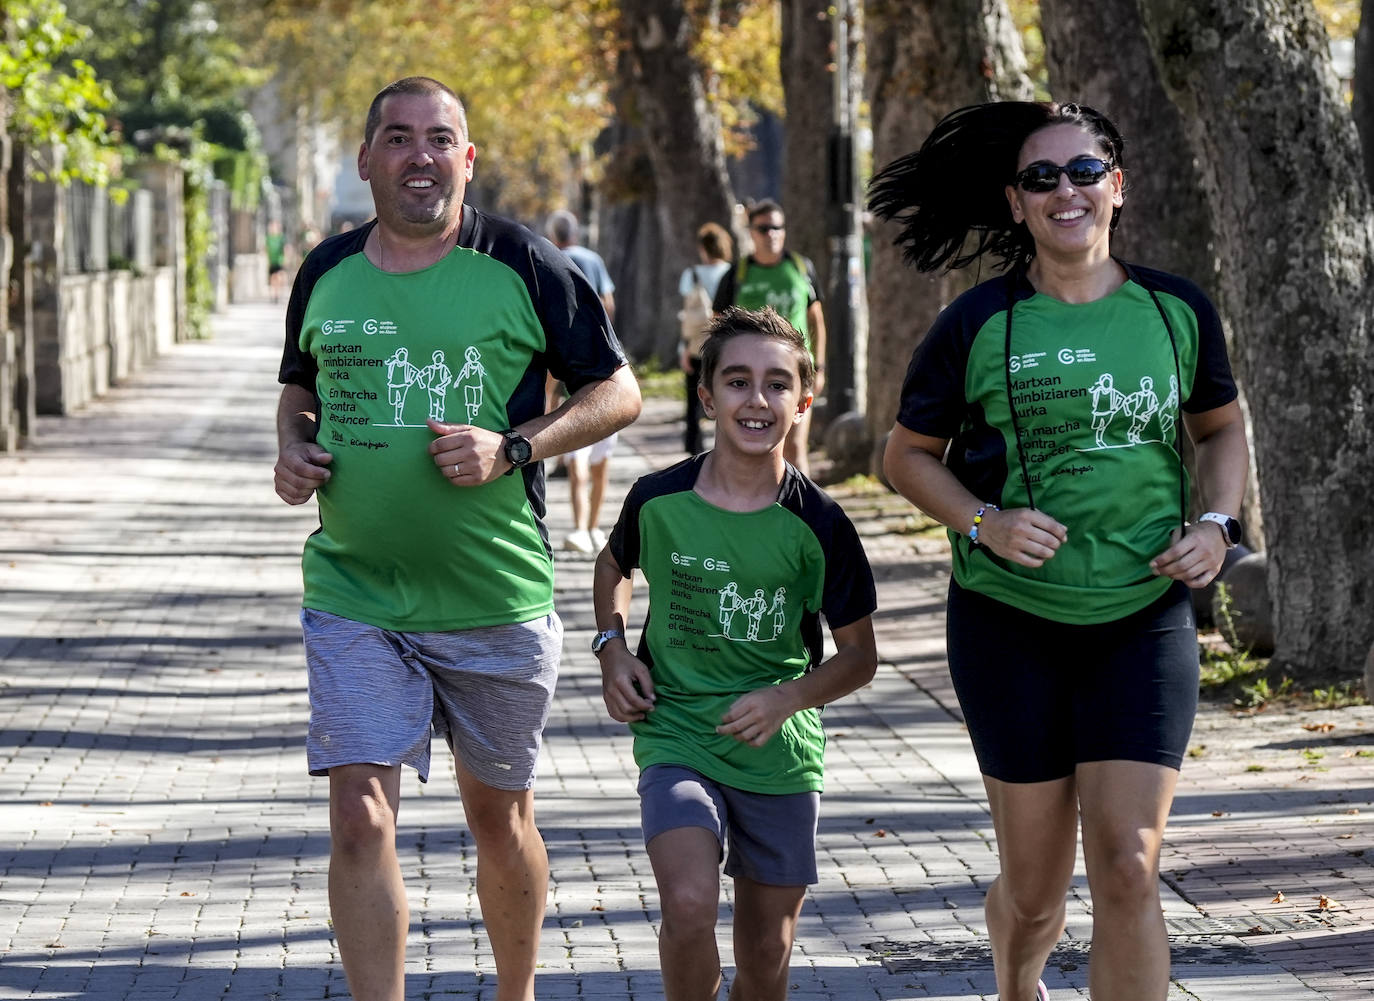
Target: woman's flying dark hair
[[950, 195]]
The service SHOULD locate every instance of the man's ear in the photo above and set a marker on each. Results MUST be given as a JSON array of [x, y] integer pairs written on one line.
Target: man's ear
[[362, 162]]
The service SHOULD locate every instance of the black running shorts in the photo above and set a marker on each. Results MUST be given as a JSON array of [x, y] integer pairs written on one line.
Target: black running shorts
[[1040, 696]]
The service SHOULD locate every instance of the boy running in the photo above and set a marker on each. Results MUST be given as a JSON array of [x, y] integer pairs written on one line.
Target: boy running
[[724, 714]]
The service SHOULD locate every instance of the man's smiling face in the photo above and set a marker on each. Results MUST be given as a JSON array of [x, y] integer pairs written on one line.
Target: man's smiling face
[[418, 163]]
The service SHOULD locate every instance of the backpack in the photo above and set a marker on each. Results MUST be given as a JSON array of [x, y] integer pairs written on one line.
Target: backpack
[[695, 316]]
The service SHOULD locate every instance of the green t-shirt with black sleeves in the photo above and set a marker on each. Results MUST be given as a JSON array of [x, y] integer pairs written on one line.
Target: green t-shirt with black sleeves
[[464, 341], [735, 600], [789, 286], [1099, 390]]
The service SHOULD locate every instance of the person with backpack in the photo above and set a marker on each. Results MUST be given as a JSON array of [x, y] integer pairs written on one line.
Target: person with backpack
[[698, 290], [785, 280]]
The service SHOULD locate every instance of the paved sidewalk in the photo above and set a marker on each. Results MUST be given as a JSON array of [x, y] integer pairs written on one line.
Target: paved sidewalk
[[159, 838]]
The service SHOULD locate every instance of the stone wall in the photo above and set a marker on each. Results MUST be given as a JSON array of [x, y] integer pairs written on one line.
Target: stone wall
[[107, 325], [98, 286]]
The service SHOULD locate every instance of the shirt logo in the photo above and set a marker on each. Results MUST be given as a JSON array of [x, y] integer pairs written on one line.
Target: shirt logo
[[374, 326], [336, 326], [1029, 360], [1071, 356]]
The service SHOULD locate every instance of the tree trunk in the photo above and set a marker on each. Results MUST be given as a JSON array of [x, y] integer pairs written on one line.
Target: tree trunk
[[20, 281], [667, 96], [825, 215], [925, 59], [630, 239], [1121, 80], [1295, 239], [9, 413], [808, 85], [1363, 105]]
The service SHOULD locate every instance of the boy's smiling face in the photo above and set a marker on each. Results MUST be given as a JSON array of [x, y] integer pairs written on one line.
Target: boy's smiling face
[[755, 395]]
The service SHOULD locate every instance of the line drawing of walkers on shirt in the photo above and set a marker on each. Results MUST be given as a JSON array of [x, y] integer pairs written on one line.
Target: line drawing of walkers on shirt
[[472, 391], [730, 603], [400, 376], [435, 377], [1104, 391], [1168, 414], [1141, 406], [754, 609], [779, 611]]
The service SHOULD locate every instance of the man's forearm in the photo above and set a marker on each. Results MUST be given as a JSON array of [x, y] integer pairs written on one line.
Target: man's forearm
[[298, 413], [592, 413]]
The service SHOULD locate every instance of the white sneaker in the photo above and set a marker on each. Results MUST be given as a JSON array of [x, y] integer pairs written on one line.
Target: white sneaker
[[579, 541], [598, 539]]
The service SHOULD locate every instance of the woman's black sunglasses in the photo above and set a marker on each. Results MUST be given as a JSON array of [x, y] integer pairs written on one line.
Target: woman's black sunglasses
[[1083, 171]]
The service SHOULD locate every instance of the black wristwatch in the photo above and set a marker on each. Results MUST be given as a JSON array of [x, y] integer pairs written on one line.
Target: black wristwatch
[[518, 450], [1230, 528], [600, 640]]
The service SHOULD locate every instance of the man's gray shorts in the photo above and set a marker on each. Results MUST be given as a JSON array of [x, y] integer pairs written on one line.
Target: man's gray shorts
[[375, 694], [771, 839]]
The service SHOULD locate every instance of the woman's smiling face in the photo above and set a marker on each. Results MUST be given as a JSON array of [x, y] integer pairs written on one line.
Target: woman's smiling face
[[1068, 221]]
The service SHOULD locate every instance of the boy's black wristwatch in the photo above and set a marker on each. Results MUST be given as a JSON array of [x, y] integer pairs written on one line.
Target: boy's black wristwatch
[[518, 450], [600, 640]]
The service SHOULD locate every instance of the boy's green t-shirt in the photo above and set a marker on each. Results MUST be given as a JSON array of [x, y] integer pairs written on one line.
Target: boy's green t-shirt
[[1099, 390], [735, 601]]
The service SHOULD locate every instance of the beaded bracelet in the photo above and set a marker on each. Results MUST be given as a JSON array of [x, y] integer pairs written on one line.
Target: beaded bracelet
[[978, 520]]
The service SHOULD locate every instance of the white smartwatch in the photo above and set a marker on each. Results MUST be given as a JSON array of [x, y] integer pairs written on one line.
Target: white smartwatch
[[1230, 528]]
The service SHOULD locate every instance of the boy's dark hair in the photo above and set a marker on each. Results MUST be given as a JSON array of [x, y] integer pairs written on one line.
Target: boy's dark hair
[[950, 195], [411, 85], [765, 207], [716, 242], [735, 322]]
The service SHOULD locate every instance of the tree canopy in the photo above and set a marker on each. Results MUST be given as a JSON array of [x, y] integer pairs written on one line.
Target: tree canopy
[[56, 98], [538, 78]]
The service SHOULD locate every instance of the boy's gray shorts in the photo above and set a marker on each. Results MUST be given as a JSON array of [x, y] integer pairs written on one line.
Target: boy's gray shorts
[[771, 838], [375, 694]]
